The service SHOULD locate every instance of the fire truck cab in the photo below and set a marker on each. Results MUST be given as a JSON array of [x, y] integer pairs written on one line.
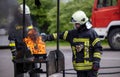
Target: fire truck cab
[[106, 21]]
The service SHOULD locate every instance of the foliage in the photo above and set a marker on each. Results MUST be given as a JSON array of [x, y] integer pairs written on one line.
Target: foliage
[[104, 43], [66, 11], [45, 17], [39, 13]]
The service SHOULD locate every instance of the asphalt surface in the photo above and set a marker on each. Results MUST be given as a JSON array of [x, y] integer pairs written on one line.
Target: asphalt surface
[[110, 62]]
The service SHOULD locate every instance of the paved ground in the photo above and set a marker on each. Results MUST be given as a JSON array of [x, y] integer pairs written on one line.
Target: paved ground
[[109, 59]]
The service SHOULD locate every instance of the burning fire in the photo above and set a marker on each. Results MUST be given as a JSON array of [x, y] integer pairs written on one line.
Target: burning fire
[[34, 43]]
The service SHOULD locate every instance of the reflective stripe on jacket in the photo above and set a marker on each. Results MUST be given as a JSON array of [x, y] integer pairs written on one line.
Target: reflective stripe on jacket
[[85, 46]]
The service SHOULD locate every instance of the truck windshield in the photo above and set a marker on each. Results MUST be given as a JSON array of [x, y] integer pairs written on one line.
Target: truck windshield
[[106, 3]]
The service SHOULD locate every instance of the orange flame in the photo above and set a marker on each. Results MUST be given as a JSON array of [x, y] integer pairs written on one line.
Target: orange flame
[[34, 43]]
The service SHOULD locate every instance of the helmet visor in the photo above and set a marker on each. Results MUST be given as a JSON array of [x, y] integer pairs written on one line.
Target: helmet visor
[[73, 21]]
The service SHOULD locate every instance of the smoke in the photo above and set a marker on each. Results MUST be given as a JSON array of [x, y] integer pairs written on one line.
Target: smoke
[[7, 10]]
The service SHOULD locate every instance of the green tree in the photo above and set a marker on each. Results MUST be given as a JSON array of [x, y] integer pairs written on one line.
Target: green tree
[[39, 15], [45, 16], [66, 11]]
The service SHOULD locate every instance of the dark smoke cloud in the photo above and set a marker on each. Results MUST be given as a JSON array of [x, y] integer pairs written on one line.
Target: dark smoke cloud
[[7, 10]]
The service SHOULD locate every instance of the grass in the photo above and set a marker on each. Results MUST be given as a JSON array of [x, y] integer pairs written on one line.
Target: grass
[[104, 42], [54, 43], [64, 43]]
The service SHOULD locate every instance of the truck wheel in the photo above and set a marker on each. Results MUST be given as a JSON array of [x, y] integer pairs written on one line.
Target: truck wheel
[[114, 39]]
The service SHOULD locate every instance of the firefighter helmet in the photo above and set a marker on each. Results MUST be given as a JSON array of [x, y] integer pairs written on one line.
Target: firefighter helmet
[[27, 10], [79, 17]]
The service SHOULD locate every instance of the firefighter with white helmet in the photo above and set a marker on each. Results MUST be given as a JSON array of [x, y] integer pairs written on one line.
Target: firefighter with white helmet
[[81, 18], [17, 45], [27, 9], [85, 45]]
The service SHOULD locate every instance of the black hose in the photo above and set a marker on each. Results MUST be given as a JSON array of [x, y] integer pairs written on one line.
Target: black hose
[[5, 47], [104, 73]]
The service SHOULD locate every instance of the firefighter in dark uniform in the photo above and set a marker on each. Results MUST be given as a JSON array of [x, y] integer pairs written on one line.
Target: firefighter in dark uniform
[[18, 47], [85, 45]]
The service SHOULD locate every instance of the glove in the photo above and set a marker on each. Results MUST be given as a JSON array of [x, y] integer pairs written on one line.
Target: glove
[[14, 52], [44, 36], [96, 66]]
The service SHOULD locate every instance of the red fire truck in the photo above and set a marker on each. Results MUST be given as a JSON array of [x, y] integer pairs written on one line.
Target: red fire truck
[[106, 21]]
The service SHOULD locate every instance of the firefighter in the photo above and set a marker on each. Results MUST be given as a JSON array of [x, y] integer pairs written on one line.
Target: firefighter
[[18, 47], [85, 45]]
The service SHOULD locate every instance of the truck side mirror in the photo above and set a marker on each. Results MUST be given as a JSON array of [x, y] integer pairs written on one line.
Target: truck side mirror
[[95, 9]]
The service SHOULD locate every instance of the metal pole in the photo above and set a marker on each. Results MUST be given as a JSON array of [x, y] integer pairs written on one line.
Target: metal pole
[[58, 14], [24, 27]]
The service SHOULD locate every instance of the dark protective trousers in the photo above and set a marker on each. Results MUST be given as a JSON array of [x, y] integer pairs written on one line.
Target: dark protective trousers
[[90, 73], [21, 68]]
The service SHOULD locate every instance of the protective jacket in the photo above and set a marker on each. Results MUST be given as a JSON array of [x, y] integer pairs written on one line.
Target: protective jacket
[[18, 47], [16, 35], [85, 46]]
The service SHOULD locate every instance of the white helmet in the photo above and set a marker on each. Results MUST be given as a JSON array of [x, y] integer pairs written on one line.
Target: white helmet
[[79, 17], [27, 10]]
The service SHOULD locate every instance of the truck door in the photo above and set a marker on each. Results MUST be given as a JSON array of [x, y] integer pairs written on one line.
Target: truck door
[[104, 12]]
